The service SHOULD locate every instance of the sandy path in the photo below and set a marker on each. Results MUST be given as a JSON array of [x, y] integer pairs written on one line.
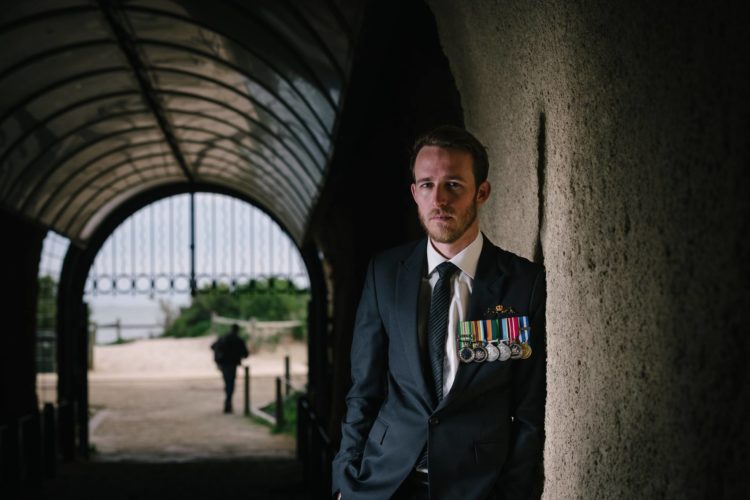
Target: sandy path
[[161, 399], [183, 358], [178, 420]]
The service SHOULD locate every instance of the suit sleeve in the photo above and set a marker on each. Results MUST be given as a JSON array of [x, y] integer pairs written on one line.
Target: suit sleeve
[[517, 478], [369, 366]]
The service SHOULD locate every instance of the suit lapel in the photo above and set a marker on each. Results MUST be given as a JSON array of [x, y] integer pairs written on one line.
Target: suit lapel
[[407, 294], [484, 294]]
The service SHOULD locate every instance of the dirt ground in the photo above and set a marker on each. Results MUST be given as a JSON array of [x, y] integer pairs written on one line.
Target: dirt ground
[[161, 400], [179, 419]]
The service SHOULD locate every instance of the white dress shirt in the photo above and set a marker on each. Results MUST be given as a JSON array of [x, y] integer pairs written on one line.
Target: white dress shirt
[[461, 283]]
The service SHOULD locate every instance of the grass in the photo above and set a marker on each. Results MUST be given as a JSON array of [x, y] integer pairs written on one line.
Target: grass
[[290, 415], [120, 341]]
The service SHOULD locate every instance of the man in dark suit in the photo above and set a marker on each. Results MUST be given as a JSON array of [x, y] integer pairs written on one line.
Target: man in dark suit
[[440, 406]]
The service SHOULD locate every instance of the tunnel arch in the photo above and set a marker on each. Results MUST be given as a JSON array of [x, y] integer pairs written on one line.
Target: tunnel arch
[[397, 84], [265, 81], [72, 316]]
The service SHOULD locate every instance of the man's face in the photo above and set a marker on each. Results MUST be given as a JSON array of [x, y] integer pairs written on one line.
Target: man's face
[[446, 194]]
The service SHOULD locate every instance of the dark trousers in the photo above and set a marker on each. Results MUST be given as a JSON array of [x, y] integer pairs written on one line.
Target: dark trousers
[[414, 487], [229, 372]]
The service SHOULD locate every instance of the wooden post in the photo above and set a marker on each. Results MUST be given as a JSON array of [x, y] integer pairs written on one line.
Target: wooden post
[[279, 405], [92, 342], [287, 378], [247, 390]]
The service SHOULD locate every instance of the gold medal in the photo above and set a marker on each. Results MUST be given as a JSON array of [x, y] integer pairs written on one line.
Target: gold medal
[[525, 351]]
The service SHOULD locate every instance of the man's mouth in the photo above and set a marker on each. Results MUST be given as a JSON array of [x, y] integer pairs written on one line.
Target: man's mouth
[[441, 217]]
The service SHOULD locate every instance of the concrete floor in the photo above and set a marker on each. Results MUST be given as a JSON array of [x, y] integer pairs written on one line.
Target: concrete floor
[[164, 435], [179, 420], [258, 478]]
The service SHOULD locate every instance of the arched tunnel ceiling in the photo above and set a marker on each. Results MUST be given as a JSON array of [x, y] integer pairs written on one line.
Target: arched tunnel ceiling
[[103, 100]]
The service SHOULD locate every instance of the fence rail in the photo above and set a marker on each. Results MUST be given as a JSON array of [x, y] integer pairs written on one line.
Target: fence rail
[[284, 388]]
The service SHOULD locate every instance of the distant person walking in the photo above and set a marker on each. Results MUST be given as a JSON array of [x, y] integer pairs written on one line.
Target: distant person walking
[[229, 351]]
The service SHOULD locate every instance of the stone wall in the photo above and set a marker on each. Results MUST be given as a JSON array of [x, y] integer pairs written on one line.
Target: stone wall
[[618, 142]]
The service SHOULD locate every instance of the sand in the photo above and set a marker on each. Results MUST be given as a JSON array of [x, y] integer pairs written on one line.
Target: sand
[[187, 358], [161, 400]]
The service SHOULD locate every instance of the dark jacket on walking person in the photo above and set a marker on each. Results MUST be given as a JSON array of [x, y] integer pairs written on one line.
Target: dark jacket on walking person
[[229, 351]]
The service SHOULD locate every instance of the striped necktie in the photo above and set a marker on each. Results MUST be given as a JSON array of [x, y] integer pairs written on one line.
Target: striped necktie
[[437, 328], [437, 324]]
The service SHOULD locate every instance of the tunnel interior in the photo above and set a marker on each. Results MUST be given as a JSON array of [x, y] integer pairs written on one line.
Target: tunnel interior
[[298, 108], [617, 136]]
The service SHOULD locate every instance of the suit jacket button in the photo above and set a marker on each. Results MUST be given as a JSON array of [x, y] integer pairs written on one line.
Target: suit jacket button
[[434, 420]]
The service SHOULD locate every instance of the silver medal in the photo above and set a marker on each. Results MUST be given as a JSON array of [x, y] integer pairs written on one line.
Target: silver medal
[[466, 354], [492, 352], [515, 351], [480, 354], [504, 351]]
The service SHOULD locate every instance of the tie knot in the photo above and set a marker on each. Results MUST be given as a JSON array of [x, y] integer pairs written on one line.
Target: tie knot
[[446, 270]]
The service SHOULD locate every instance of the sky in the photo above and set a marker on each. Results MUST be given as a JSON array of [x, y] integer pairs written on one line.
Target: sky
[[234, 240]]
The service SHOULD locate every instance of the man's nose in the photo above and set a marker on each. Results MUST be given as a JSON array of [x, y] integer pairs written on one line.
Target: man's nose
[[439, 196]]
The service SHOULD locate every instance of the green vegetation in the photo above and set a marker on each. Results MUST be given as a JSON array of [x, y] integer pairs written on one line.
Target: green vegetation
[[46, 319], [290, 415], [46, 315], [120, 341], [264, 300]]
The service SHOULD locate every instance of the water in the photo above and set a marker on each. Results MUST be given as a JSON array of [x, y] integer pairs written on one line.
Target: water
[[131, 310]]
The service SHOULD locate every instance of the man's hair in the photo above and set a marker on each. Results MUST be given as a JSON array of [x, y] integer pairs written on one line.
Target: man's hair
[[452, 137]]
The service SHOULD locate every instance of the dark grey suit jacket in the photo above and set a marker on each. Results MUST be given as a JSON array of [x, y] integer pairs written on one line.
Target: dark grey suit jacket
[[486, 435]]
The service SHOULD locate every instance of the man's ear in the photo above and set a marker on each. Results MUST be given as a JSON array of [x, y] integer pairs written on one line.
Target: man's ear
[[483, 192], [414, 192]]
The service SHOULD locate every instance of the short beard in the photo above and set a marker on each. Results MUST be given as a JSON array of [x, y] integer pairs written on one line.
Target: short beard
[[451, 235]]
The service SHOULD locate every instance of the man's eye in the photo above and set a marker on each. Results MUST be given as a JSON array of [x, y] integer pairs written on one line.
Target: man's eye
[[426, 185], [453, 185]]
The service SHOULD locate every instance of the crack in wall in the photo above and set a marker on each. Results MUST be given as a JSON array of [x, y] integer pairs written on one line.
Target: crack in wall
[[541, 172]]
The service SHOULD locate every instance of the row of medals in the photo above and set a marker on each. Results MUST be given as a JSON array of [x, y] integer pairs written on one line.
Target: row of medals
[[503, 351]]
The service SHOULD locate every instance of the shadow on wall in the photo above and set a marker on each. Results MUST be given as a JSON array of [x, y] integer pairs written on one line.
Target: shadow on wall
[[541, 171]]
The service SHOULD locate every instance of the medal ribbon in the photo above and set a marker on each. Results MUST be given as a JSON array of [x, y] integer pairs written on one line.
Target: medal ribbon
[[516, 329], [511, 329], [464, 336], [483, 332], [525, 329], [489, 331]]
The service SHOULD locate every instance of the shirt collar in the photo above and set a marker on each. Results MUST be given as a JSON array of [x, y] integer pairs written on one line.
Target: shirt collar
[[466, 260]]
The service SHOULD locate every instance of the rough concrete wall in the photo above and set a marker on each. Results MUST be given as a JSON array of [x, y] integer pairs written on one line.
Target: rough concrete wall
[[633, 119]]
